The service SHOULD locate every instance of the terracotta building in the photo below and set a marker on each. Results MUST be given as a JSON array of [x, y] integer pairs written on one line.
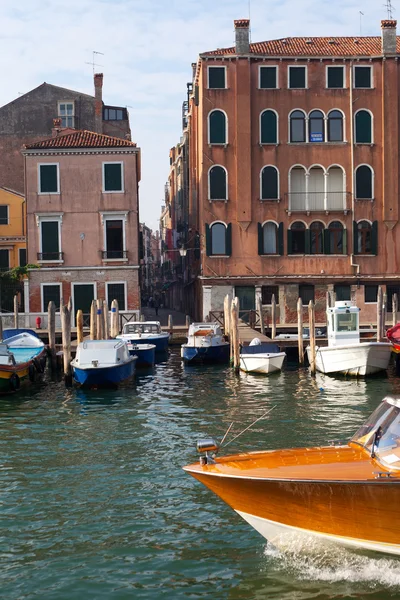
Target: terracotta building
[[293, 179], [82, 220]]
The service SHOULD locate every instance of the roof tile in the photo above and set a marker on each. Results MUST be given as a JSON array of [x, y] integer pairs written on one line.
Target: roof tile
[[81, 139]]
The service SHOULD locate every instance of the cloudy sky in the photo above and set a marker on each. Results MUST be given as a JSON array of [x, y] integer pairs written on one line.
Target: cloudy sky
[[148, 48]]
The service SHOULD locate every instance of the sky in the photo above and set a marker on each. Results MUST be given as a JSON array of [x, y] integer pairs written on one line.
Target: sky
[[148, 47]]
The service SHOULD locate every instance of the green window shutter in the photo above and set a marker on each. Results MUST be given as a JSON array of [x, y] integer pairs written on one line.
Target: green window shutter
[[289, 242], [269, 183], [48, 178], [196, 95], [113, 177], [268, 127], [50, 241], [355, 238], [344, 241], [208, 240], [260, 240], [374, 238], [228, 239], [327, 241], [307, 241], [217, 127], [280, 239], [363, 127]]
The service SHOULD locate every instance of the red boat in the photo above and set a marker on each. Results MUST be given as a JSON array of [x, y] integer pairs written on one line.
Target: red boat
[[393, 335]]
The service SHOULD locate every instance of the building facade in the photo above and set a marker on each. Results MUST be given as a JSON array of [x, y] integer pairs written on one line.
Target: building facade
[[82, 220], [293, 178], [12, 230]]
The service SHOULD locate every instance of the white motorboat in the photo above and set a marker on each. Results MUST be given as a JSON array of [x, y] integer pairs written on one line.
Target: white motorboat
[[345, 353], [261, 357], [206, 343], [102, 363], [145, 332]]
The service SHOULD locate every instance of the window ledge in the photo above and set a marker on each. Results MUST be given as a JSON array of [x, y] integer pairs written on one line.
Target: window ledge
[[364, 199], [277, 200], [113, 191], [366, 255], [261, 144], [223, 144], [50, 262], [371, 144], [269, 89], [115, 260], [271, 254], [336, 88], [298, 88], [218, 200], [327, 143], [48, 193], [218, 256], [218, 88]]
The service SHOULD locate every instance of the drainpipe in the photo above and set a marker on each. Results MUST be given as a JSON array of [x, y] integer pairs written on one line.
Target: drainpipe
[[353, 204]]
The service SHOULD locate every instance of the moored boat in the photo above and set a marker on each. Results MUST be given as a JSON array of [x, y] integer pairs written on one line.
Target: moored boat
[[22, 358], [145, 332], [146, 354], [345, 353], [347, 493], [102, 363], [206, 343], [393, 335], [261, 357]]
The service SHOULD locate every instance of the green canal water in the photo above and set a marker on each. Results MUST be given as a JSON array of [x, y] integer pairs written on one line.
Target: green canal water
[[95, 505]]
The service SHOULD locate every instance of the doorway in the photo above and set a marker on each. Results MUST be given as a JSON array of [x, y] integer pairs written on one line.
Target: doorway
[[83, 294], [247, 300]]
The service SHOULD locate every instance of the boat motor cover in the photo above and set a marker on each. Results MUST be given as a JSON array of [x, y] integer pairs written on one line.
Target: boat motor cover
[[265, 348], [8, 333]]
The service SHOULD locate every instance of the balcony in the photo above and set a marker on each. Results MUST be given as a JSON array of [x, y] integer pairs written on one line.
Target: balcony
[[114, 254], [50, 256], [309, 202]]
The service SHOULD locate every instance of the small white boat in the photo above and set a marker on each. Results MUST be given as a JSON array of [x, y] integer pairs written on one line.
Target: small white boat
[[206, 343], [145, 332], [261, 357], [102, 363], [345, 353]]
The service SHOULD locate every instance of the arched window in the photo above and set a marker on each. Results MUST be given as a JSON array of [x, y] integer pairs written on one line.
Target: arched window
[[364, 186], [316, 237], [297, 126], [268, 127], [316, 126], [217, 183], [217, 127], [297, 238], [363, 127], [218, 238], [269, 183], [335, 126], [270, 238], [336, 235], [364, 237]]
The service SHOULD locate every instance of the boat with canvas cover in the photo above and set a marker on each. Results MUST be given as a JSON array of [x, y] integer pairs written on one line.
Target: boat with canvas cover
[[345, 493], [22, 358], [102, 363], [345, 353], [145, 332], [260, 357], [393, 335], [206, 343]]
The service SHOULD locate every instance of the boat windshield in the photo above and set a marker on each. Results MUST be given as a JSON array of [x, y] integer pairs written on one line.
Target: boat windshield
[[347, 321], [382, 430], [142, 328]]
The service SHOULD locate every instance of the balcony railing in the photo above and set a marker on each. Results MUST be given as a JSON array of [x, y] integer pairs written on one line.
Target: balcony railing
[[318, 201], [114, 254], [50, 256]]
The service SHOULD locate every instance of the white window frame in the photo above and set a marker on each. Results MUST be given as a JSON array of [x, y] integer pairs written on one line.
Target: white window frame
[[277, 240], [209, 128], [334, 66], [8, 215], [113, 162], [67, 116], [305, 123], [288, 77], [48, 217], [49, 164], [74, 309], [276, 76], [226, 227], [42, 286], [114, 216], [277, 128], [372, 77], [208, 76], [125, 284], [209, 185]]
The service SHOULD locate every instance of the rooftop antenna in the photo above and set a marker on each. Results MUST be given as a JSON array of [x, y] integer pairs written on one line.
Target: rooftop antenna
[[361, 16], [93, 59], [389, 9]]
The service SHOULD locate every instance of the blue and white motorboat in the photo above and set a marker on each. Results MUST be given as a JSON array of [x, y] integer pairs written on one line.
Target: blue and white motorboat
[[102, 363], [146, 354], [145, 332], [260, 357], [206, 343]]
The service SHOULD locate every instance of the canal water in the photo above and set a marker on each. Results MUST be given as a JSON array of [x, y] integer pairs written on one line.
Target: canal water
[[95, 505]]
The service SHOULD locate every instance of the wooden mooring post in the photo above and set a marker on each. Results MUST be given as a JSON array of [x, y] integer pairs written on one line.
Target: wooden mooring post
[[273, 317], [99, 320], [395, 308], [106, 320], [114, 319], [384, 315], [311, 323], [51, 329], [260, 312], [227, 315], [66, 343], [170, 324], [300, 331], [16, 319], [1, 328], [93, 316], [187, 321], [379, 314], [234, 326], [79, 326]]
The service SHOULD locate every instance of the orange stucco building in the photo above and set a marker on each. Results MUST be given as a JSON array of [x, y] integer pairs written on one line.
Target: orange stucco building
[[293, 179]]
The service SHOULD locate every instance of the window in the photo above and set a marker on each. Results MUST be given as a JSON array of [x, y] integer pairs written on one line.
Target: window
[[48, 179], [113, 177], [4, 214], [22, 257], [342, 292], [216, 78], [364, 183], [114, 239], [306, 293], [267, 291], [116, 291], [268, 78], [50, 240], [4, 260], [113, 114], [217, 127], [363, 127], [268, 127], [336, 234], [370, 293], [217, 184], [335, 77], [391, 290], [297, 238], [364, 237], [362, 77], [316, 238], [219, 239], [66, 112], [316, 126], [51, 292], [269, 183], [269, 238], [297, 126], [297, 77], [335, 126]]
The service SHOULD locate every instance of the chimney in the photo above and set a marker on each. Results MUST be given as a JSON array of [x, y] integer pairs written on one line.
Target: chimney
[[194, 69], [242, 36], [98, 102], [389, 37], [57, 126]]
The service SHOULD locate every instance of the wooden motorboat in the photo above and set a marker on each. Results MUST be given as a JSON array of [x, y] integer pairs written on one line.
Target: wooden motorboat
[[260, 357], [206, 343], [345, 353], [102, 363], [22, 358], [393, 335], [348, 493]]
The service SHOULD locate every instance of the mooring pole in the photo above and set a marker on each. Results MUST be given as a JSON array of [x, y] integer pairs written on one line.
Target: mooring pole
[[79, 326], [384, 313], [51, 328], [114, 319], [99, 320], [300, 331], [66, 343], [379, 315], [260, 314], [311, 320], [106, 321], [93, 316], [273, 317], [395, 308], [16, 319]]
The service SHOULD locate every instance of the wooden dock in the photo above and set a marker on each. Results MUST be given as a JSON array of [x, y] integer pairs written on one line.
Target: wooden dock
[[246, 334]]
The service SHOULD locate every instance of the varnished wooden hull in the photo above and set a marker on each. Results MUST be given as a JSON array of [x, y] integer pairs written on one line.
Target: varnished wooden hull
[[333, 493]]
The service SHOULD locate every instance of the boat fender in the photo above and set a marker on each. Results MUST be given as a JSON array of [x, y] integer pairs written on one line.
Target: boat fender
[[15, 382], [39, 366], [32, 372]]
